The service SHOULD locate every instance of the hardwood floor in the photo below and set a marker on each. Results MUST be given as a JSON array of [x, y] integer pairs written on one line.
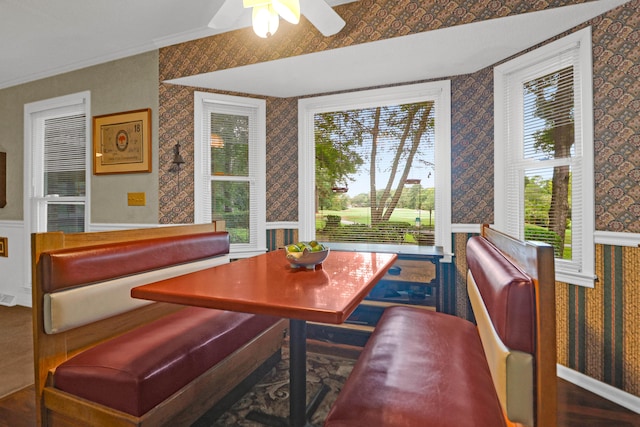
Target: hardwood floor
[[19, 409], [580, 408], [576, 408]]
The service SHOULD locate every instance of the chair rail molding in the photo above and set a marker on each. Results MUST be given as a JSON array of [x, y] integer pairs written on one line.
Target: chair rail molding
[[616, 238]]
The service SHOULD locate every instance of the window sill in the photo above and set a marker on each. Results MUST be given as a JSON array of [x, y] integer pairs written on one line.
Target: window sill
[[575, 278]]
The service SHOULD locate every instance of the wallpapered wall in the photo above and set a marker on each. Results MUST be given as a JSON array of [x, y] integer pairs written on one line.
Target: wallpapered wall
[[616, 105], [599, 328]]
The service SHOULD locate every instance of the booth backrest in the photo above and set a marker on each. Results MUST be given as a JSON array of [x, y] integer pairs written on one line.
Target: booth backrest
[[502, 298], [84, 285], [511, 288], [66, 268], [507, 292]]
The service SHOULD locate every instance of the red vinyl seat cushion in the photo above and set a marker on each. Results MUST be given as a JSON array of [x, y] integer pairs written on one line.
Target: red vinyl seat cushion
[[400, 381], [136, 371]]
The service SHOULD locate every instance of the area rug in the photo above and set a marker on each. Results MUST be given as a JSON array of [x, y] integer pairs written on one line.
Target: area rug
[[16, 349], [271, 394]]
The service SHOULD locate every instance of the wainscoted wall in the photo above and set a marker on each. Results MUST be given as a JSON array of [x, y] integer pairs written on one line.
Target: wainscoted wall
[[598, 328], [459, 282], [279, 238]]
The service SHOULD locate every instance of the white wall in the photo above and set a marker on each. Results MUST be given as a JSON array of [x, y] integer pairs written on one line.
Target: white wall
[[12, 268]]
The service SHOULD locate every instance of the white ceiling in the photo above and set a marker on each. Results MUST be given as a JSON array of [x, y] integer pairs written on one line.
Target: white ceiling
[[41, 38]]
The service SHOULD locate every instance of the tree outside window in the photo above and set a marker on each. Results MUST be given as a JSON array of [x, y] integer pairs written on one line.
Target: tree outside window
[[374, 173]]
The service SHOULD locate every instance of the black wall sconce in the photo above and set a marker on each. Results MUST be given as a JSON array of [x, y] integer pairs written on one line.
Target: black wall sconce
[[3, 179], [177, 162]]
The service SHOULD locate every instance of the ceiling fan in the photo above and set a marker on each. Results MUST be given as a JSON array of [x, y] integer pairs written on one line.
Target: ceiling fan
[[318, 12]]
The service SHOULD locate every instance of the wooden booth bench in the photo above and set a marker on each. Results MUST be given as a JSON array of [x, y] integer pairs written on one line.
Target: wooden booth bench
[[429, 369], [103, 358]]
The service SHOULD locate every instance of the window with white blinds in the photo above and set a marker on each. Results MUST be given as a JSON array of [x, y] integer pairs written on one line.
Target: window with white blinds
[[65, 148], [65, 155], [375, 166], [375, 174], [230, 168], [544, 152], [57, 141]]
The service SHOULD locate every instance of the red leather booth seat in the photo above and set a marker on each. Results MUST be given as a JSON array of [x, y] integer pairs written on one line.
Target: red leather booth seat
[[136, 371], [68, 268], [419, 368]]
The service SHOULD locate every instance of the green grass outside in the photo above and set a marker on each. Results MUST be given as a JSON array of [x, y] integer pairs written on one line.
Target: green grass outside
[[362, 216]]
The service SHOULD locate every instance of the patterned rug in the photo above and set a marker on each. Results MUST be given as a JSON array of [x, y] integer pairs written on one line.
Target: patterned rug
[[271, 394]]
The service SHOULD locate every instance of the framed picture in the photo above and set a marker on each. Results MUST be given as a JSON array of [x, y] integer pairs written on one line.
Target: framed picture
[[122, 142], [4, 250], [3, 179]]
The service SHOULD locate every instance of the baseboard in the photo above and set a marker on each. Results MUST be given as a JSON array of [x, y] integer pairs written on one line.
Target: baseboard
[[603, 390]]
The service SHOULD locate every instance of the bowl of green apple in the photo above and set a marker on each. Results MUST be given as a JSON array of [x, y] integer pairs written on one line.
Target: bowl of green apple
[[306, 254]]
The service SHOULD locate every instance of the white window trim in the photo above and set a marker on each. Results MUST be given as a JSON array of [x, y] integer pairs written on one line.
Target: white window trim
[[586, 274], [259, 244], [33, 157], [439, 92]]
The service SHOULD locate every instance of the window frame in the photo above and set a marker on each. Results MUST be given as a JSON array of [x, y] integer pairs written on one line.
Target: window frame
[[539, 62], [439, 92], [34, 115], [257, 174]]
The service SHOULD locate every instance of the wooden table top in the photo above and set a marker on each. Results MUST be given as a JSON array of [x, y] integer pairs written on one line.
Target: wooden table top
[[266, 284]]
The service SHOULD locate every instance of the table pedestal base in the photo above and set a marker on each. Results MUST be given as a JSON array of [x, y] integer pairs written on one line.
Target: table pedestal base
[[299, 411]]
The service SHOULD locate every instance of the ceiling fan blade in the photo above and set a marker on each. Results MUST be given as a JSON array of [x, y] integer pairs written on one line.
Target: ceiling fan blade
[[322, 16], [227, 15]]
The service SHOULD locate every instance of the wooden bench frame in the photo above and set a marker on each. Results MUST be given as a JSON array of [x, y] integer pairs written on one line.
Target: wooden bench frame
[[184, 407]]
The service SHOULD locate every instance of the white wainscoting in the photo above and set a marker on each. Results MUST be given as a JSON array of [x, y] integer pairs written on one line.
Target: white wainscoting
[[13, 280]]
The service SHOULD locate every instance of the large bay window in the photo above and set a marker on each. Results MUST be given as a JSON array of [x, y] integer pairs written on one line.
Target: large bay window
[[378, 162]]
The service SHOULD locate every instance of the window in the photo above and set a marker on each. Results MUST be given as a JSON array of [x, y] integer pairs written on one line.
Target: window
[[57, 165], [373, 159], [56, 159], [230, 168], [544, 152]]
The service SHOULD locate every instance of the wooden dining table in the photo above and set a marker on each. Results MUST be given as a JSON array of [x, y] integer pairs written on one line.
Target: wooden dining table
[[268, 284]]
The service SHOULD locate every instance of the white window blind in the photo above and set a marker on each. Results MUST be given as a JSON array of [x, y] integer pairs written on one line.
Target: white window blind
[[375, 174], [436, 93], [64, 174], [65, 155], [56, 175]]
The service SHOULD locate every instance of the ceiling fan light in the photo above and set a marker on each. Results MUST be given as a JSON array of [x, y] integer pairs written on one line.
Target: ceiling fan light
[[288, 9], [265, 20], [253, 3]]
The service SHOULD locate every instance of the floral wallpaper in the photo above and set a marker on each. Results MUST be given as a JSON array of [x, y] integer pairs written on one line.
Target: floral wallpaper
[[598, 327]]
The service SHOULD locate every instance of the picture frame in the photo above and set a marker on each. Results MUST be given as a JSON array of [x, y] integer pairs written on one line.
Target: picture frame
[[122, 142], [3, 179], [4, 249]]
